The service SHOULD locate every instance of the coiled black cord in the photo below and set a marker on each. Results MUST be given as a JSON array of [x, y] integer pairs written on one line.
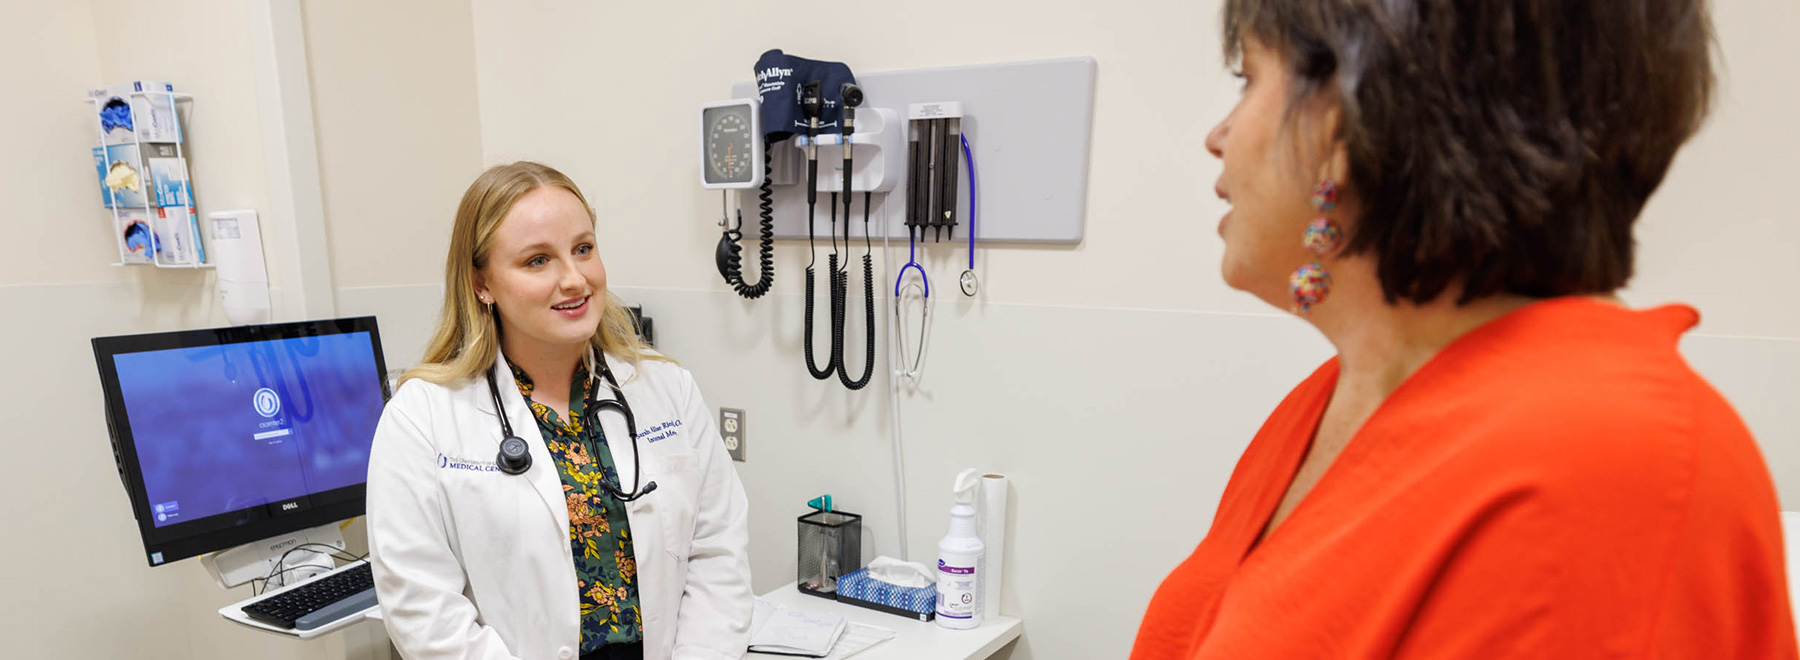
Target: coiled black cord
[[839, 282], [812, 178], [734, 267], [868, 303], [837, 294], [811, 366]]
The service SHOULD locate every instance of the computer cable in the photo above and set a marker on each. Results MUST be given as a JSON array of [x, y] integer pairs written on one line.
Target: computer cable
[[282, 561]]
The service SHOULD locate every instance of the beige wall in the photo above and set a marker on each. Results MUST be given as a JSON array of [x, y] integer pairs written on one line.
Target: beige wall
[[394, 101], [75, 581], [607, 91], [1718, 231], [1117, 381], [393, 86], [60, 50], [47, 189]]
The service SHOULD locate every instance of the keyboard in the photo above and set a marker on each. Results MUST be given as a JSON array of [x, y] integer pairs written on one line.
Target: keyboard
[[319, 602]]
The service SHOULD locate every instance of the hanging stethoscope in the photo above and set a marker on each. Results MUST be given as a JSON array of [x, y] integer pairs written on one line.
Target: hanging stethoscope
[[933, 139], [515, 453], [970, 284], [920, 289]]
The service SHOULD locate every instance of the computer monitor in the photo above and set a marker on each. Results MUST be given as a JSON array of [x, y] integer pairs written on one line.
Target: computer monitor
[[230, 435]]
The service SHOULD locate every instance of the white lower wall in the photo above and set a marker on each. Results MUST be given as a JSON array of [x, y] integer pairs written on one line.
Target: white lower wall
[[1118, 428], [73, 572]]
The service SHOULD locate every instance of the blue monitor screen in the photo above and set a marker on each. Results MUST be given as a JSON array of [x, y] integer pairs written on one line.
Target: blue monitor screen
[[226, 427]]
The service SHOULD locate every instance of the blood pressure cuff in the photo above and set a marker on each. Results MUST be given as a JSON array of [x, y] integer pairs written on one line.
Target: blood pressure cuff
[[778, 80]]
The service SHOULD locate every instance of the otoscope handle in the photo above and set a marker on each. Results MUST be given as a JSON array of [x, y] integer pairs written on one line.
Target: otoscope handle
[[812, 178]]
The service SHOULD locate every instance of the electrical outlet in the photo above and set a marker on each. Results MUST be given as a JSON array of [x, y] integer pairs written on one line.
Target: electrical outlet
[[731, 427]]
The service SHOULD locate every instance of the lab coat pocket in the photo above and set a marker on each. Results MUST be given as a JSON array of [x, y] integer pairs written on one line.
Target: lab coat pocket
[[678, 487], [500, 510]]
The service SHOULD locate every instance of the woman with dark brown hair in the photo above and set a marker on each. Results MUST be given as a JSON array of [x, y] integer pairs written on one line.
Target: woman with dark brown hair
[[1502, 461]]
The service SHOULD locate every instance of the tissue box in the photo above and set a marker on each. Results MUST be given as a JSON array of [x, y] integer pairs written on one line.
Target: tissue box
[[857, 588]]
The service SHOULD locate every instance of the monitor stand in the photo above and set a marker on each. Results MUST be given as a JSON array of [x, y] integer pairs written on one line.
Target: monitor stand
[[251, 561]]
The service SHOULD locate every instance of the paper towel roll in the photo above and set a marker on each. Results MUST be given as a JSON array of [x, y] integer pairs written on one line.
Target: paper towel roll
[[990, 519]]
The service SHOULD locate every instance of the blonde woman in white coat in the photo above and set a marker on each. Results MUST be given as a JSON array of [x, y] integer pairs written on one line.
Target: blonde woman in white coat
[[565, 549]]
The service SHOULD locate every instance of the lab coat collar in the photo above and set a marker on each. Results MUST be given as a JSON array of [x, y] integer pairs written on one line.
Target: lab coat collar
[[543, 475], [621, 369]]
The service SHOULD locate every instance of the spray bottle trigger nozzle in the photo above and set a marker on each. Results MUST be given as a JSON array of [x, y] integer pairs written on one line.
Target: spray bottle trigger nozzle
[[966, 483]]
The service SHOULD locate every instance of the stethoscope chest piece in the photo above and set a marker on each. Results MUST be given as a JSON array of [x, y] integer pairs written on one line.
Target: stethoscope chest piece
[[515, 455], [970, 285]]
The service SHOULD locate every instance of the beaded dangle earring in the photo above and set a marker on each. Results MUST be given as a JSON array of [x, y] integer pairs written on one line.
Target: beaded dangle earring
[[1310, 284]]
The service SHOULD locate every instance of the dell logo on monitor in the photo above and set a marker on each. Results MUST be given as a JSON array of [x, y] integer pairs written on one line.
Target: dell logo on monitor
[[290, 506]]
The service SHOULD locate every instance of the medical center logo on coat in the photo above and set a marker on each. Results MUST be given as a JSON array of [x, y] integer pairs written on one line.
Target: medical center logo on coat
[[470, 465]]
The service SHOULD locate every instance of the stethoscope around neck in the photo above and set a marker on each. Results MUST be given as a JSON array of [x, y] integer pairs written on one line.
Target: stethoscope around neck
[[515, 454]]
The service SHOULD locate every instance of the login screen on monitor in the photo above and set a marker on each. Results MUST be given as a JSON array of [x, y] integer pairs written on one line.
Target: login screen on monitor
[[265, 423]]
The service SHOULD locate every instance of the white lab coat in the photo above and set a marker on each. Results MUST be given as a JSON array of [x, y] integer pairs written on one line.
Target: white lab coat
[[471, 562]]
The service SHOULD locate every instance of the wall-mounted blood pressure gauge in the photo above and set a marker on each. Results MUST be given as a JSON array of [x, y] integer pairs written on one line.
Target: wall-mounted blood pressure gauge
[[731, 148]]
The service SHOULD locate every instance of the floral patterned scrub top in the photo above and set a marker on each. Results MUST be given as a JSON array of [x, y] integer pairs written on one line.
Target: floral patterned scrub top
[[599, 534]]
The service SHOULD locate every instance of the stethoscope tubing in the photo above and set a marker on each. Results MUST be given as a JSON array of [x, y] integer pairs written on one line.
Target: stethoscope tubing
[[590, 419]]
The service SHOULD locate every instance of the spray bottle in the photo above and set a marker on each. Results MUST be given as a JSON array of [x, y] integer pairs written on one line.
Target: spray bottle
[[960, 559]]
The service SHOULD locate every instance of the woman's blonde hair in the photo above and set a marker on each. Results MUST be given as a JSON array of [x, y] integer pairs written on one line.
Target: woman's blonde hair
[[468, 340]]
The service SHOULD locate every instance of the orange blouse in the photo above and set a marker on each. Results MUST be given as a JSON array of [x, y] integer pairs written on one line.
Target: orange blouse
[[1555, 484]]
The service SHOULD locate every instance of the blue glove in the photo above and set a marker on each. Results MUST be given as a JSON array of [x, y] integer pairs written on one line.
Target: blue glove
[[116, 114]]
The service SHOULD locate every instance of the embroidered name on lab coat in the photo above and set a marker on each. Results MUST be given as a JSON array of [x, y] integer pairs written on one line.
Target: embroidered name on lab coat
[[660, 432]]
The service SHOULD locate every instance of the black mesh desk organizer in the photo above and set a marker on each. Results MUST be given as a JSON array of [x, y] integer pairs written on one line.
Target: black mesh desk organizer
[[830, 546]]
